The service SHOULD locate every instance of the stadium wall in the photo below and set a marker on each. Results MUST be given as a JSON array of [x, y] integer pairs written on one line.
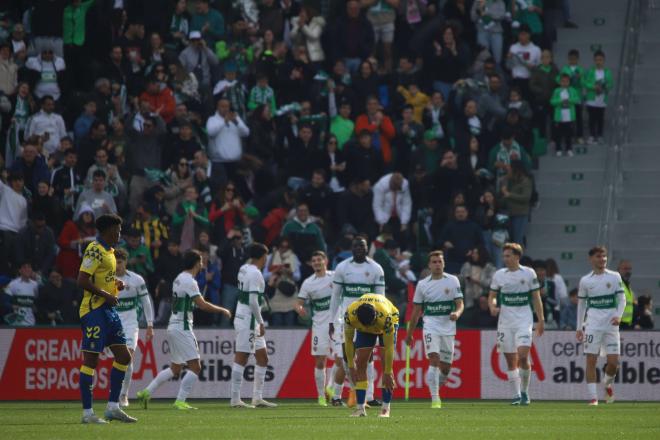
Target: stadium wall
[[42, 364]]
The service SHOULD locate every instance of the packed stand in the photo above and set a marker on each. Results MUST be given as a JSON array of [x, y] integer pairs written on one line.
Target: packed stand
[[210, 125]]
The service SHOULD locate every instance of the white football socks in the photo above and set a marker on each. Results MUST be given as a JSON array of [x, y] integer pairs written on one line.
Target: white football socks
[[186, 386], [609, 380], [319, 378], [259, 379], [236, 381], [160, 379], [514, 380], [525, 376], [593, 392], [371, 377], [432, 381]]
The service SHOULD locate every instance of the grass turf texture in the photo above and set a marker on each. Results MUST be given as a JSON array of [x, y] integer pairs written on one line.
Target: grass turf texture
[[298, 419]]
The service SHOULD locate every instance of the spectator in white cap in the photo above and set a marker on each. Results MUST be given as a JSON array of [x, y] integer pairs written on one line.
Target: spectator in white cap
[[198, 59]]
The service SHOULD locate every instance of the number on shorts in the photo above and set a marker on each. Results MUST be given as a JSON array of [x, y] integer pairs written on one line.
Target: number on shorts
[[251, 338], [500, 336], [428, 338], [93, 332], [590, 338], [315, 341]]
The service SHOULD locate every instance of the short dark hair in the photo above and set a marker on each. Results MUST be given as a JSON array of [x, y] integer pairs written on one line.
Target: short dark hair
[[14, 175], [191, 258], [539, 264], [257, 250], [574, 292], [597, 250], [573, 53], [599, 53], [46, 98], [366, 314], [106, 221], [99, 173]]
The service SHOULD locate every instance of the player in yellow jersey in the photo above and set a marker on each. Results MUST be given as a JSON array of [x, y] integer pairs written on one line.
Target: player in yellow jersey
[[370, 319], [101, 326]]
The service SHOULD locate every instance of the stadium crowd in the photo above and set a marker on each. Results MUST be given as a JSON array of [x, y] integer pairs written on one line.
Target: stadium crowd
[[299, 124]]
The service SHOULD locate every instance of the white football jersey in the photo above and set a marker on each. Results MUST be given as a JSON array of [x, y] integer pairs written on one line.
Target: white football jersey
[[318, 291], [514, 291], [184, 291], [134, 290], [601, 292], [355, 279], [250, 282], [23, 297], [438, 300]]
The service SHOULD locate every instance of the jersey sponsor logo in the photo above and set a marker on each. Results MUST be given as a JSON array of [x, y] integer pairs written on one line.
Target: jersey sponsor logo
[[440, 308], [515, 299], [321, 304], [602, 302]]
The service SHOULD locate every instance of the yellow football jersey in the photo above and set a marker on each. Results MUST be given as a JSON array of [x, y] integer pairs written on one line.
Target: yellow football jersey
[[387, 315], [99, 262]]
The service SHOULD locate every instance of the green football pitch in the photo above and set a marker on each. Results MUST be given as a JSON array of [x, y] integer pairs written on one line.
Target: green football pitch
[[299, 419]]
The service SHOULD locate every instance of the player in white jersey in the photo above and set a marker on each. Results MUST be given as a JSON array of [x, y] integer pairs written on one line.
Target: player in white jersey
[[23, 291], [353, 278], [513, 287], [440, 298], [180, 337], [317, 290], [134, 292], [601, 295], [250, 330]]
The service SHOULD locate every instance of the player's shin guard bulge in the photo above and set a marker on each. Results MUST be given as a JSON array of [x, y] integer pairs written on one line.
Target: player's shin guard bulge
[[117, 375]]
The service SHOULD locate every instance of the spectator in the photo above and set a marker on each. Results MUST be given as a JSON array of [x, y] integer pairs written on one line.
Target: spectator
[[74, 38], [476, 275], [84, 122], [304, 235], [282, 272], [24, 292], [47, 70], [209, 282], [36, 245], [341, 124], [458, 238], [97, 197], [408, 138], [225, 130], [306, 29], [542, 83], [598, 84], [152, 229], [379, 126], [317, 195], [416, 99], [488, 16], [8, 71], [181, 178], [188, 219], [160, 99], [262, 94], [47, 124], [144, 153], [516, 196], [23, 107], [232, 253], [58, 301], [332, 161], [523, 57], [576, 73], [199, 60], [644, 319], [557, 294], [31, 165], [485, 215], [88, 146], [73, 240], [479, 315], [167, 266], [564, 99], [208, 21], [184, 145], [179, 26], [301, 150], [516, 101], [568, 312], [388, 257], [503, 154], [114, 183], [227, 211], [139, 256], [353, 37], [625, 270], [392, 205], [46, 202], [448, 59], [14, 208]]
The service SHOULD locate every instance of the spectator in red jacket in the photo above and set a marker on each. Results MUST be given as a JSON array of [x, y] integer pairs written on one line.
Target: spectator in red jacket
[[160, 98], [380, 126]]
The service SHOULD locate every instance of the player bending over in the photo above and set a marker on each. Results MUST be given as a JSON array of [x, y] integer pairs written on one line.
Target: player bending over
[[317, 289], [440, 297], [100, 323], [180, 337], [516, 286], [135, 290], [370, 319], [601, 295], [250, 330]]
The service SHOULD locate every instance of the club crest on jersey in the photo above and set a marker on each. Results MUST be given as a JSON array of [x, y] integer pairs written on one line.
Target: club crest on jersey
[[366, 274], [609, 285], [522, 281], [447, 291]]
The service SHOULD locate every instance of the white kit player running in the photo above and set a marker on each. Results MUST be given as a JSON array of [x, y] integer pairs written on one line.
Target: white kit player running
[[601, 295], [353, 278], [131, 298], [440, 298], [317, 290], [250, 330], [180, 337], [515, 286]]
